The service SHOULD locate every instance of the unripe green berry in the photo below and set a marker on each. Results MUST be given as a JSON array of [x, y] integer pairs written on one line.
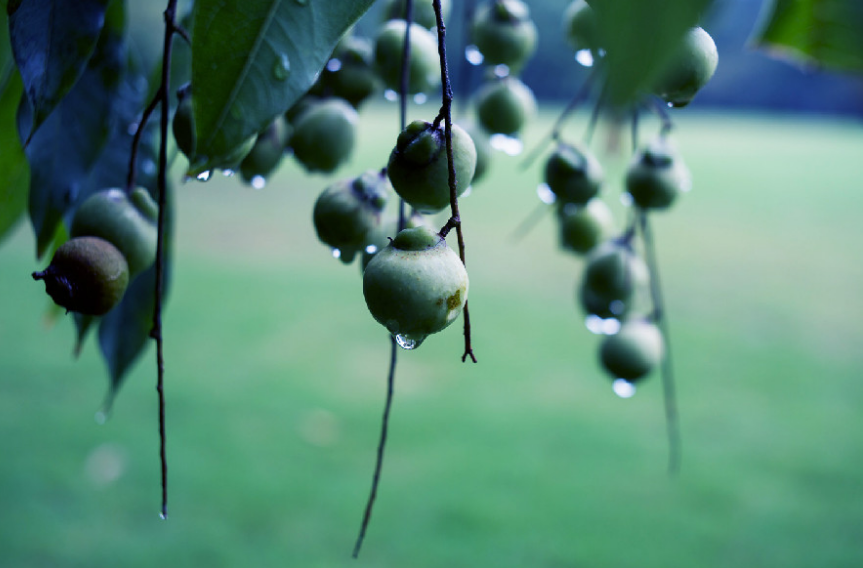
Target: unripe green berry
[[126, 221], [348, 211], [418, 166], [267, 152], [657, 175], [632, 352], [690, 68], [183, 126], [324, 135], [573, 174], [580, 26], [350, 72], [505, 105], [87, 275], [583, 227], [416, 286], [424, 66], [613, 278], [504, 33]]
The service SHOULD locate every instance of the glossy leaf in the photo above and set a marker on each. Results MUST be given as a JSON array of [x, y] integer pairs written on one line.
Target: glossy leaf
[[52, 41], [70, 141], [14, 171], [639, 37], [825, 33], [251, 60]]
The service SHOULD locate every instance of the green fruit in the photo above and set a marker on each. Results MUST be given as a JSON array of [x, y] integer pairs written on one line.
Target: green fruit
[[690, 68], [580, 27], [613, 278], [87, 275], [418, 166], [324, 135], [267, 152], [347, 213], [416, 286], [422, 13], [350, 73], [584, 227], [504, 33], [424, 67], [126, 221], [183, 126], [633, 351], [504, 106], [657, 175], [573, 174]]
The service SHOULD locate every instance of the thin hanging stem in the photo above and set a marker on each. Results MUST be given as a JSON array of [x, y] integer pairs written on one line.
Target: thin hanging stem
[[530, 222], [162, 184], [136, 143], [391, 376], [672, 420], [446, 115], [367, 515]]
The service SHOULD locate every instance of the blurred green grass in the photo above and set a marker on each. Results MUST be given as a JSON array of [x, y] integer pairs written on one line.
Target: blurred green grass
[[276, 378]]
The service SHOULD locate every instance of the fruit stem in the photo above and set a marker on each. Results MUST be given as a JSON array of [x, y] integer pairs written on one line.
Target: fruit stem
[[658, 106], [672, 420], [379, 462], [445, 114], [136, 143]]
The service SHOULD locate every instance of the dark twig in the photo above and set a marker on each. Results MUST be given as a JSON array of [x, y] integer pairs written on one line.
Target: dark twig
[[402, 221], [446, 116], [162, 184], [672, 420], [382, 442]]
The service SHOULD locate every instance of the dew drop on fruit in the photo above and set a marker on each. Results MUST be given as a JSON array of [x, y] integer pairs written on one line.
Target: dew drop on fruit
[[334, 64], [337, 253], [545, 194], [501, 71], [509, 145], [407, 342], [371, 249], [623, 388], [132, 129], [473, 55], [617, 307], [420, 98], [593, 323], [610, 326], [228, 173], [282, 67], [584, 57], [258, 182], [204, 176], [148, 166], [466, 192], [391, 95]]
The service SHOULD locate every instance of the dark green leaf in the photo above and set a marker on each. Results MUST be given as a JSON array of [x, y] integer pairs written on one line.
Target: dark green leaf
[[251, 60], [52, 41], [70, 141], [639, 37], [14, 171], [826, 33]]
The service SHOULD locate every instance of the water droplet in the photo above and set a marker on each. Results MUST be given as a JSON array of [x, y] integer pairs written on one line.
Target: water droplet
[[626, 199], [148, 166], [132, 129], [610, 326], [334, 65], [409, 342], [593, 323], [467, 192], [584, 57], [372, 249], [473, 55], [100, 417], [163, 516], [391, 95], [258, 182], [509, 145], [420, 98], [623, 388], [228, 173], [501, 71], [617, 307], [669, 105], [337, 253], [545, 194], [204, 176], [282, 67]]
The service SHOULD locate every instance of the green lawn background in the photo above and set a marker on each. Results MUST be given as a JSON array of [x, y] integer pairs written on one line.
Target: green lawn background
[[276, 378]]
